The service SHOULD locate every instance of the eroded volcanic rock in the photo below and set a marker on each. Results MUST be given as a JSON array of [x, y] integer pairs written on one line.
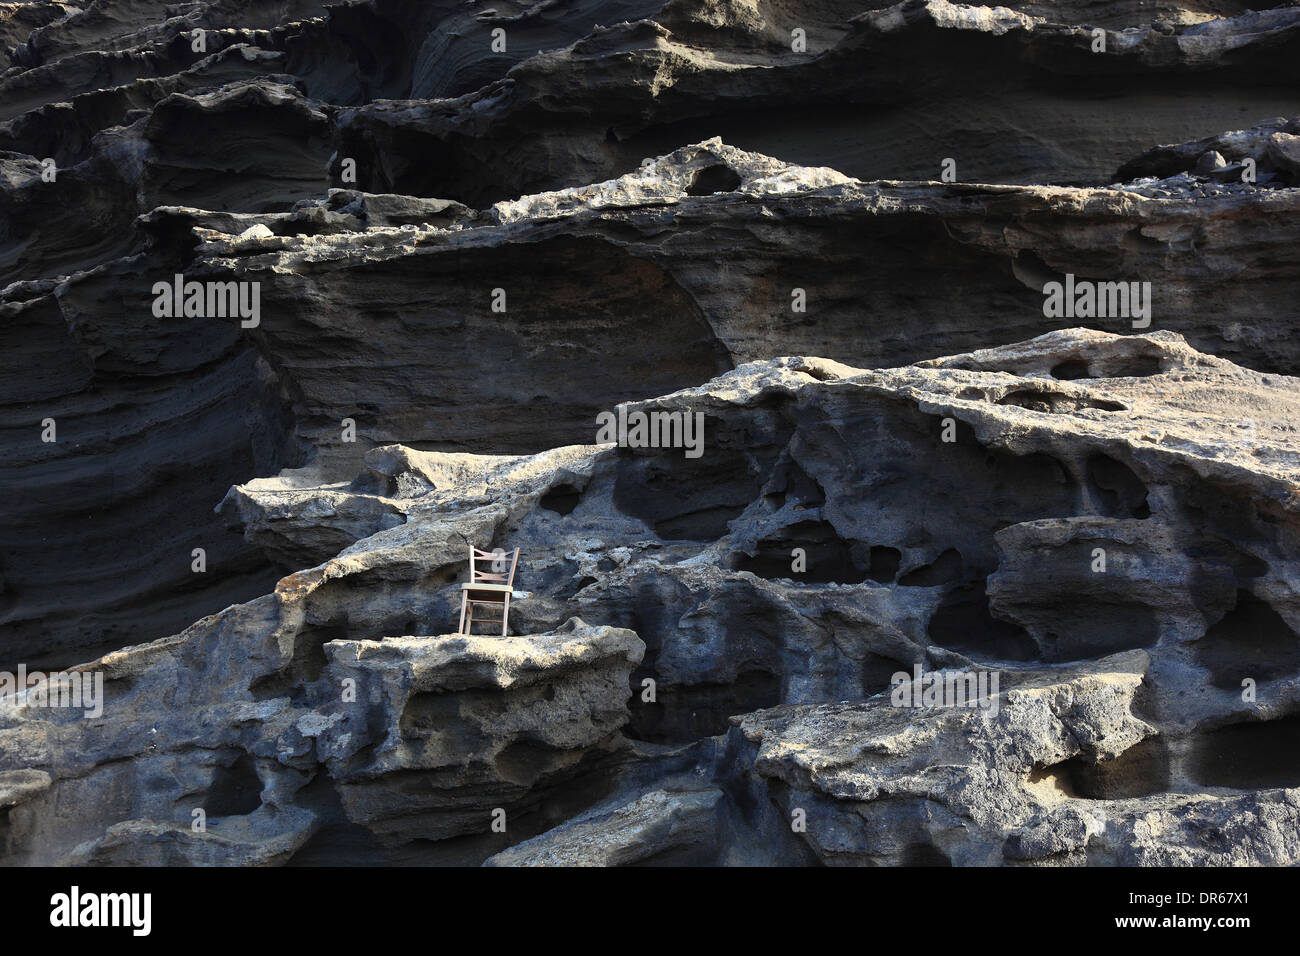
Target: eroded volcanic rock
[[473, 229], [407, 167], [1120, 697], [379, 310]]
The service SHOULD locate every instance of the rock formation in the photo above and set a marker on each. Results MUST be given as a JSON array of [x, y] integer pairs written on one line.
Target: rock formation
[[826, 233]]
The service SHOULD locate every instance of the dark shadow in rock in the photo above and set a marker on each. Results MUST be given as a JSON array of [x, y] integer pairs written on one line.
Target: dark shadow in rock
[[1251, 640], [1045, 400], [924, 854], [790, 480], [1091, 628], [339, 841], [1070, 369], [1252, 756], [693, 499], [561, 499], [945, 569], [236, 790], [878, 672], [962, 622], [1135, 366], [1116, 488], [306, 665], [718, 178], [883, 564], [1140, 771], [428, 714], [525, 761], [686, 712], [829, 558]]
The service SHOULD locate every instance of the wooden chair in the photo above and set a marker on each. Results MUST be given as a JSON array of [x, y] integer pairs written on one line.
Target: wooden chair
[[487, 588]]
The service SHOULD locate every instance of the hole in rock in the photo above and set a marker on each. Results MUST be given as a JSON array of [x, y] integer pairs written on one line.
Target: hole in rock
[[1134, 366], [1070, 369], [561, 499], [1116, 488], [525, 761], [1092, 627], [309, 650], [693, 499], [884, 564], [1036, 477], [1251, 640], [829, 557], [339, 841], [821, 374], [1140, 771], [1045, 400], [790, 480], [718, 178], [1249, 756], [236, 790], [945, 569], [962, 622], [924, 854], [1128, 366], [706, 524], [687, 712], [305, 667], [877, 672]]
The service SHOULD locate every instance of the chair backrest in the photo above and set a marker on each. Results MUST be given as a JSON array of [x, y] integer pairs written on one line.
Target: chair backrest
[[495, 573]]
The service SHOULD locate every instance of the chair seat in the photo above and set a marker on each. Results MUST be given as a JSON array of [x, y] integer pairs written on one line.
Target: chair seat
[[486, 587]]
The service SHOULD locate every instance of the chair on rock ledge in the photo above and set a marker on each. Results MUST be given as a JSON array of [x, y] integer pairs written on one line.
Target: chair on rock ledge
[[491, 588]]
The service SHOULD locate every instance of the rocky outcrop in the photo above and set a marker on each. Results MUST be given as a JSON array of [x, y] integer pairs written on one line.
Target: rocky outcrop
[[1270, 147], [659, 828], [1064, 776], [293, 745], [854, 96], [469, 231], [407, 168], [605, 294], [1104, 539]]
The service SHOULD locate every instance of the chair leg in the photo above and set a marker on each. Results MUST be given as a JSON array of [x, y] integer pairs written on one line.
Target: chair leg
[[505, 615]]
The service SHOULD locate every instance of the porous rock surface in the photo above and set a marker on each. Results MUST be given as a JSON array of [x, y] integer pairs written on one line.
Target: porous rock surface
[[377, 310], [646, 187], [339, 718]]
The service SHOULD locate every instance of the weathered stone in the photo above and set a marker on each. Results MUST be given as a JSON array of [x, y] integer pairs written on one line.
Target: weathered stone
[[658, 827], [465, 253]]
